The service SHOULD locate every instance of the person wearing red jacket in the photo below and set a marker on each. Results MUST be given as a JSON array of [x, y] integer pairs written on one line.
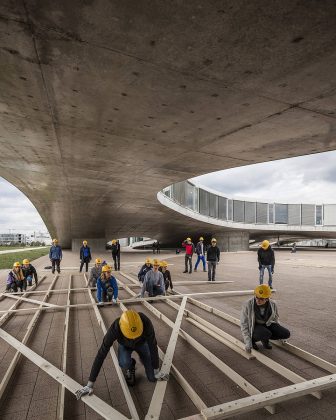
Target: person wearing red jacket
[[190, 249]]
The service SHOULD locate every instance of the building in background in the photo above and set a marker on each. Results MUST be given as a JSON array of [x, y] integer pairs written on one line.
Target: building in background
[[13, 239]]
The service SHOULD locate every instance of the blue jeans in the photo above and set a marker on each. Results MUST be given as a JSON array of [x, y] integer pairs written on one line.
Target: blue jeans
[[29, 280], [153, 290], [125, 359], [200, 258], [261, 277]]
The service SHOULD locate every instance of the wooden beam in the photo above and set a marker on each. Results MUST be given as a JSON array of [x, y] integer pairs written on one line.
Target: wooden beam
[[98, 405], [218, 363], [32, 301], [7, 376], [160, 387], [65, 352], [248, 404], [139, 300], [123, 384]]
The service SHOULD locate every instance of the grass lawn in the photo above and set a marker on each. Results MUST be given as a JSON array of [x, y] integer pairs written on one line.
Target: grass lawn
[[7, 260], [5, 247]]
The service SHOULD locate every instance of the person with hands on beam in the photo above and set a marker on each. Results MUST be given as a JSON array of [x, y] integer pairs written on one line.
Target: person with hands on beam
[[107, 287], [259, 320], [266, 260], [166, 275], [153, 282], [133, 331]]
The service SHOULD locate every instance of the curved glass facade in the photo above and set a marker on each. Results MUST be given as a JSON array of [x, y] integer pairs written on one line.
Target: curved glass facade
[[219, 207]]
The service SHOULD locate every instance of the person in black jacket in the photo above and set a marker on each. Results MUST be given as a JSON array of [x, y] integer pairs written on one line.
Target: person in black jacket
[[266, 260], [29, 272], [166, 275], [133, 332], [84, 256], [144, 269], [116, 254], [213, 255]]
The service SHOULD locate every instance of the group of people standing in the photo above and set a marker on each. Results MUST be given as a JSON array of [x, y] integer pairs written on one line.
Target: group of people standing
[[209, 255]]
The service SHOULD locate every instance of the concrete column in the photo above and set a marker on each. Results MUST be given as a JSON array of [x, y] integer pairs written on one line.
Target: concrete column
[[232, 241], [96, 244]]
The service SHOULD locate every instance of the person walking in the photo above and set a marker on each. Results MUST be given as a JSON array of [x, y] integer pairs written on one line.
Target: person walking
[[259, 320], [133, 331], [55, 256], [189, 249], [266, 260], [29, 272], [144, 269], [213, 256], [95, 272], [200, 251], [153, 282], [116, 254], [107, 287], [166, 275], [85, 256]]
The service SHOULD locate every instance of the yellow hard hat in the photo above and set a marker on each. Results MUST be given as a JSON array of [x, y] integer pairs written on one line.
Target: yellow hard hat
[[265, 244], [25, 261], [114, 241], [131, 325], [188, 239], [17, 264], [213, 240], [98, 261], [84, 242], [55, 240], [201, 238], [263, 291], [156, 262], [106, 268], [148, 261], [164, 264]]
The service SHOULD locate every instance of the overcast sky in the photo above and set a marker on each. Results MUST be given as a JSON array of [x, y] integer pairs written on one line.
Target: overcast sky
[[306, 179]]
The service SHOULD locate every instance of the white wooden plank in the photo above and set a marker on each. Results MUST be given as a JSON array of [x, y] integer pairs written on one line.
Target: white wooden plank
[[160, 387], [248, 404], [98, 405], [29, 300]]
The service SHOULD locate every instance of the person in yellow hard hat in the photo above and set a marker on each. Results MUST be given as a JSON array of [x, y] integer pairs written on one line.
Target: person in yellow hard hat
[[144, 269], [190, 249], [107, 287], [95, 272], [266, 260], [29, 272], [166, 275], [16, 279], [153, 282], [200, 251], [84, 256], [55, 256], [259, 320], [134, 332], [116, 254]]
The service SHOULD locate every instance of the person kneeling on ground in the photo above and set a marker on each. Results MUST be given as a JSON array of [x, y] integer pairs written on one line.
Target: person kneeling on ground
[[107, 287], [133, 332], [166, 275], [144, 269], [259, 320], [153, 282], [15, 278], [95, 272], [29, 272]]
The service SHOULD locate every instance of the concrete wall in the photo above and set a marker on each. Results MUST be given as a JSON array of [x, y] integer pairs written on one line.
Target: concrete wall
[[233, 241], [97, 244]]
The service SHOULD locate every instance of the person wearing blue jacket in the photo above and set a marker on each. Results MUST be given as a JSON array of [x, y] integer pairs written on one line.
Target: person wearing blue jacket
[[85, 256], [107, 287], [55, 256]]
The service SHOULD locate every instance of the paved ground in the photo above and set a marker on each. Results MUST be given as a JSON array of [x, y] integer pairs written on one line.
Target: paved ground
[[305, 296]]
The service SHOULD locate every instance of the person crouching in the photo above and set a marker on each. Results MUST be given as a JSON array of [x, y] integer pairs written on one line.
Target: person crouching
[[107, 287]]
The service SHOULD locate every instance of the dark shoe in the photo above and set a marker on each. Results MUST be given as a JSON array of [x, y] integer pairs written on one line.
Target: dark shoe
[[185, 271], [267, 345], [271, 287], [190, 272], [195, 269], [204, 271], [255, 346], [130, 374]]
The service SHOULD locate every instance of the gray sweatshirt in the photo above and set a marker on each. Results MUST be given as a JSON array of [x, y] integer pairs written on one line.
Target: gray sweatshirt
[[156, 278], [247, 319], [94, 275]]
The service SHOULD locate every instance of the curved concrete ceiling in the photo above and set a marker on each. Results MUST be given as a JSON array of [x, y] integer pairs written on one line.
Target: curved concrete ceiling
[[105, 103]]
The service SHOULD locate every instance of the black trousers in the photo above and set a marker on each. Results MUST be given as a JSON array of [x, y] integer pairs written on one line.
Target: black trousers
[[273, 332], [188, 261], [86, 262], [57, 263], [116, 259]]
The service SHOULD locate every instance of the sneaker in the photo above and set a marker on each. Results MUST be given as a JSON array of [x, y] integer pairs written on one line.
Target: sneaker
[[195, 270], [204, 271], [267, 345], [271, 287], [185, 271], [130, 374], [255, 346]]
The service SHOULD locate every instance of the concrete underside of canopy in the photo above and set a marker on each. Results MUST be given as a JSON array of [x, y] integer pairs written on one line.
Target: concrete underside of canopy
[[102, 104]]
